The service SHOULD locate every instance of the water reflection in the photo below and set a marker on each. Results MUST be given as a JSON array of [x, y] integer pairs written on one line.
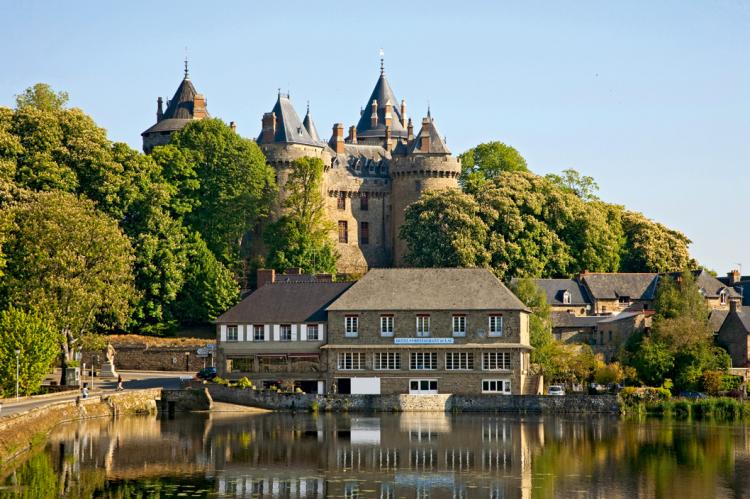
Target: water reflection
[[386, 456]]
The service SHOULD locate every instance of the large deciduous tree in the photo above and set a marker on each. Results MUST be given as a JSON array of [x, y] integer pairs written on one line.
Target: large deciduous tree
[[486, 162], [37, 342], [444, 229], [301, 237], [70, 262], [223, 184]]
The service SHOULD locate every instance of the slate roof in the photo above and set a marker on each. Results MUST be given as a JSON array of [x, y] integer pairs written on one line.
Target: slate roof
[[437, 144], [179, 110], [428, 289], [709, 285], [310, 126], [382, 93], [565, 319], [743, 314], [716, 318], [610, 286], [282, 302], [289, 127], [555, 288]]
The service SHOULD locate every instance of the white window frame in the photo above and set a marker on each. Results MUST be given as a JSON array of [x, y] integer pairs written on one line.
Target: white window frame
[[285, 328], [386, 361], [387, 326], [496, 361], [262, 329], [566, 297], [495, 325], [417, 359], [420, 383], [350, 361], [723, 297], [464, 361], [459, 325], [233, 333], [312, 327], [423, 325], [501, 386], [351, 326]]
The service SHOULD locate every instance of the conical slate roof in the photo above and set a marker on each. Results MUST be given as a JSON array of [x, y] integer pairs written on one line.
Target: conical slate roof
[[437, 144], [310, 126], [289, 128], [383, 94], [179, 110]]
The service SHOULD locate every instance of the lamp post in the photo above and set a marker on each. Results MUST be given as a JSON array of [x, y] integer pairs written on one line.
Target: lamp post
[[187, 361], [18, 370]]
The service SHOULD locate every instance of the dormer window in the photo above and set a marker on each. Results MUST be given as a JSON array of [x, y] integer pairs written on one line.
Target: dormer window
[[566, 297], [723, 297]]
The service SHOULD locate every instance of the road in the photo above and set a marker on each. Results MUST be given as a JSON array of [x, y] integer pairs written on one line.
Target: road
[[132, 380]]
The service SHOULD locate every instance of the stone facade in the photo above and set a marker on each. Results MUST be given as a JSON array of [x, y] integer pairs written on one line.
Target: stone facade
[[734, 335]]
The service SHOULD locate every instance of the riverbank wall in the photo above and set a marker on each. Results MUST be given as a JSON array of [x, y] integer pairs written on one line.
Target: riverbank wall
[[520, 404], [22, 431]]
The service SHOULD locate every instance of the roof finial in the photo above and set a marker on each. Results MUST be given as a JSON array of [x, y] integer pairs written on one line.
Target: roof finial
[[382, 66], [279, 92], [428, 109], [308, 106], [187, 76]]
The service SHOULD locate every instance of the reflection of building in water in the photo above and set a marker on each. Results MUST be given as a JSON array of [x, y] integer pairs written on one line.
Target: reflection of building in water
[[286, 456]]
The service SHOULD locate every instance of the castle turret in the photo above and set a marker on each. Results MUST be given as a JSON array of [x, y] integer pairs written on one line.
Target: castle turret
[[427, 166], [371, 128], [186, 105]]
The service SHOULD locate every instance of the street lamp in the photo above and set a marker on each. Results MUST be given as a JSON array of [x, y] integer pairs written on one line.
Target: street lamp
[[187, 361], [18, 371]]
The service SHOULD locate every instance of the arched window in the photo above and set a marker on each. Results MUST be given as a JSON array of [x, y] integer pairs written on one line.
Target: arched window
[[566, 297]]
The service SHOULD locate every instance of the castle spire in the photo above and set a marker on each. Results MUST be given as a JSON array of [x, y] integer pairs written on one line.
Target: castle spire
[[187, 74], [382, 65]]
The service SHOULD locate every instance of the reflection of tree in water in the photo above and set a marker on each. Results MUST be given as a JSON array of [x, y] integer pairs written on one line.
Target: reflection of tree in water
[[37, 478], [627, 459]]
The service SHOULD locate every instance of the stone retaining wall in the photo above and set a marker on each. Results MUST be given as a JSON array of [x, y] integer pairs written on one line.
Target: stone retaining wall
[[192, 399], [417, 403], [145, 358]]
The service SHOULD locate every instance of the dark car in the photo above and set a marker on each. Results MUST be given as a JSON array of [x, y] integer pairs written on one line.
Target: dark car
[[693, 395], [207, 373]]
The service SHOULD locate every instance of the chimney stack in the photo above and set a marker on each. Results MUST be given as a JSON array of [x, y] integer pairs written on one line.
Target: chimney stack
[[159, 110], [388, 114], [410, 130], [424, 145], [265, 276], [733, 304], [233, 126], [338, 138], [199, 107], [734, 276], [269, 127], [374, 113], [352, 134], [403, 113]]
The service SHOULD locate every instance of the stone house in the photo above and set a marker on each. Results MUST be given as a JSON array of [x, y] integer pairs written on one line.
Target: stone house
[[734, 334], [275, 334], [429, 331]]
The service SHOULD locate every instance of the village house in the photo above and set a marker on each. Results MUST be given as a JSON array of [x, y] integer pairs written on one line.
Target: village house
[[425, 331], [273, 336]]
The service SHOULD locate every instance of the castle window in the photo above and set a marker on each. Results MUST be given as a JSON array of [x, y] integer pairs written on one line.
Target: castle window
[[372, 167], [343, 231], [364, 233], [341, 202], [364, 204]]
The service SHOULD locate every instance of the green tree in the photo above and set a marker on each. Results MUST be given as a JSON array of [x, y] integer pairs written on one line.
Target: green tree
[[653, 360], [486, 162], [38, 343], [42, 97], [651, 247], [443, 229], [583, 186], [209, 289], [540, 321], [71, 262], [301, 235], [223, 185]]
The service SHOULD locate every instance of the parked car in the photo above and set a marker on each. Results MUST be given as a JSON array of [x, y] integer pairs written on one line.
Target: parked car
[[207, 373], [693, 395], [556, 390]]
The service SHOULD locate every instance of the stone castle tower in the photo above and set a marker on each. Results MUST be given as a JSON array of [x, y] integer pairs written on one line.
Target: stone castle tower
[[371, 174], [186, 105]]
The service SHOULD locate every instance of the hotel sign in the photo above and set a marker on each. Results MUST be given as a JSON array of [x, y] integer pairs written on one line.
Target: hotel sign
[[422, 341]]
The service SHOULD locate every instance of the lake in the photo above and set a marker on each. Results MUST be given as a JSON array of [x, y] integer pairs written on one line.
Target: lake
[[416, 455]]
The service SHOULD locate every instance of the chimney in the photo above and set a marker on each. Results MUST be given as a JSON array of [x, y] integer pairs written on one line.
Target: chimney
[[410, 130], [338, 138], [159, 110], [388, 114], [403, 113], [199, 107], [266, 276], [374, 113], [388, 137], [233, 126], [734, 277], [352, 134], [424, 145], [293, 271], [324, 277], [733, 304], [269, 127]]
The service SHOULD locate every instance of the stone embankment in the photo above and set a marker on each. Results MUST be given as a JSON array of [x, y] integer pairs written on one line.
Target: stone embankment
[[417, 403], [19, 432]]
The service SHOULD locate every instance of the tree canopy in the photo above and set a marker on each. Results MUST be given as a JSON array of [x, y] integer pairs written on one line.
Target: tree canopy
[[486, 162]]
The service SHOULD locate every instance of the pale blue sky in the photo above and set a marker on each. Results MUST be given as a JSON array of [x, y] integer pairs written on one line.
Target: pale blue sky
[[649, 98]]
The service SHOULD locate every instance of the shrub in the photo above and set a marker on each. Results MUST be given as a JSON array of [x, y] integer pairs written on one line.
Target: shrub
[[712, 382], [244, 383], [220, 381], [631, 395]]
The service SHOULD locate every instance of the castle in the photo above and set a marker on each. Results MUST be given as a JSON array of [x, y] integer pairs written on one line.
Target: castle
[[371, 175]]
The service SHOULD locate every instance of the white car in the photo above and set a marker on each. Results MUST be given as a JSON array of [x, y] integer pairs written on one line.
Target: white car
[[556, 390]]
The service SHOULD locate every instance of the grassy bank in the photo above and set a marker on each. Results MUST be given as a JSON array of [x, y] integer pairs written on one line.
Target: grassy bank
[[714, 408]]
